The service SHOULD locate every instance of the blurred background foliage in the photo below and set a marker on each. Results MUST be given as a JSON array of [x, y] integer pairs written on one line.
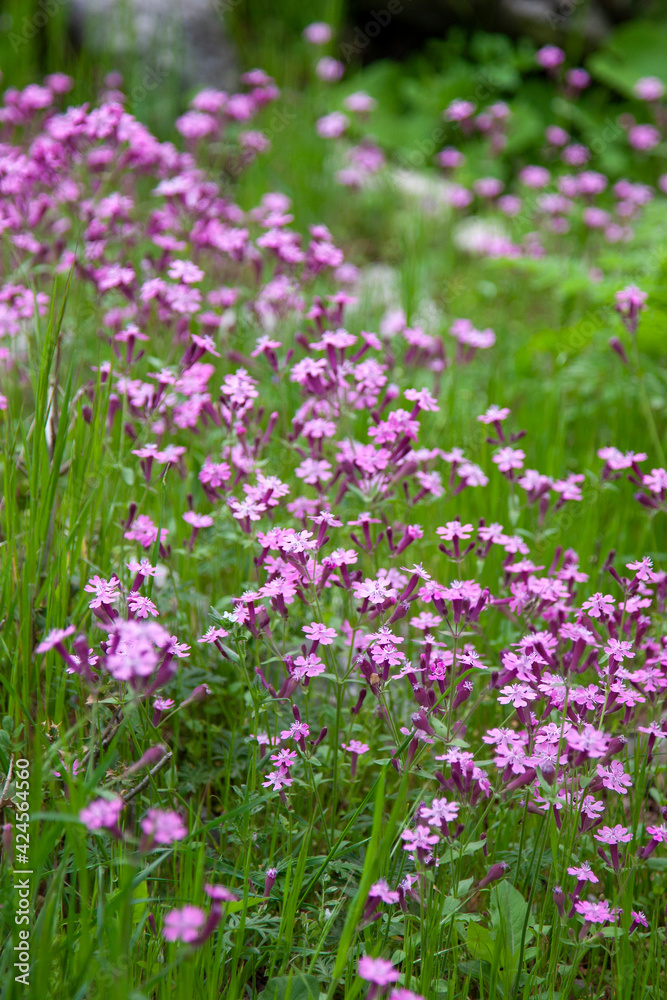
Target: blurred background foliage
[[557, 320]]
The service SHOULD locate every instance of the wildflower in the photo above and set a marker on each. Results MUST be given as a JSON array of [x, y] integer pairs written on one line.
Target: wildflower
[[494, 873], [269, 881], [161, 705], [163, 827], [220, 893], [598, 912], [583, 873], [559, 900], [212, 634], [550, 56], [196, 522], [440, 813], [493, 414], [649, 88], [103, 814], [420, 841], [183, 924], [614, 777], [141, 607], [381, 891], [508, 459], [629, 302], [54, 640], [308, 666], [599, 605], [658, 835], [643, 137], [105, 592], [319, 633], [378, 972], [613, 836], [355, 748], [330, 70]]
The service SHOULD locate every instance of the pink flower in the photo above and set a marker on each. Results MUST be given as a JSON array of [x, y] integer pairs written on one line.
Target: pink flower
[[454, 529], [534, 176], [213, 633], [599, 605], [360, 102], [378, 971], [643, 568], [163, 826], [619, 650], [440, 811], [656, 481], [320, 633], [355, 746], [313, 471], [102, 814], [583, 873], [329, 69], [613, 834], [493, 414], [318, 33], [308, 666], [614, 777], [508, 459], [550, 56], [55, 638], [284, 758], [198, 520], [629, 302], [220, 893], [649, 88], [459, 111], [276, 780], [141, 607], [518, 695], [643, 137], [598, 912], [184, 924]]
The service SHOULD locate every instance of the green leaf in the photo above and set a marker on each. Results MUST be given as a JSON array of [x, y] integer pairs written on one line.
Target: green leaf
[[508, 913], [480, 943], [636, 49], [296, 986]]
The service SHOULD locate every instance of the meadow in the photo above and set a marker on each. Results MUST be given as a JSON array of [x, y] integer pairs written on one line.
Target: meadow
[[333, 562]]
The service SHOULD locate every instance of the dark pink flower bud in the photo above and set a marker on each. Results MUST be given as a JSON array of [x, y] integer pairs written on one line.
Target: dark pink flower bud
[[269, 882], [148, 759], [559, 900], [494, 873], [200, 693]]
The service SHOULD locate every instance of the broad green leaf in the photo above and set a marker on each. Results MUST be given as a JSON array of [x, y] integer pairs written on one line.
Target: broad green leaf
[[296, 986], [480, 943], [508, 913]]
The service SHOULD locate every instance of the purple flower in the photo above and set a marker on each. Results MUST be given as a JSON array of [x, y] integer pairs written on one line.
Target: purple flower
[[649, 88], [184, 924], [550, 56], [614, 777], [103, 814], [163, 827], [55, 639], [378, 971]]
